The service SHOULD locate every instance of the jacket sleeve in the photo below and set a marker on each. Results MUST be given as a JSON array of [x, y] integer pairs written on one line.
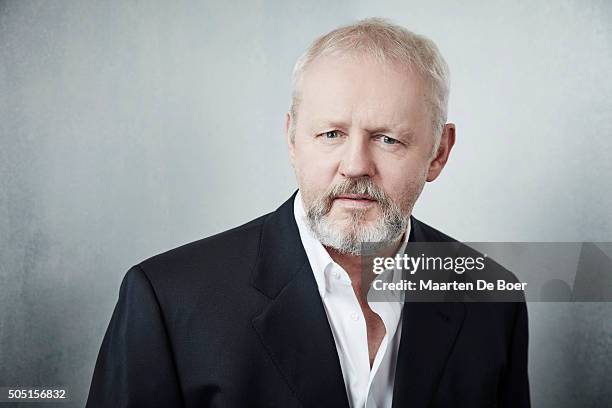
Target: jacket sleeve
[[135, 366], [514, 388]]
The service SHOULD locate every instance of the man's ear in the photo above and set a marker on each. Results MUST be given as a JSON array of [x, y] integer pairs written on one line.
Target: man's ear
[[447, 141], [290, 143]]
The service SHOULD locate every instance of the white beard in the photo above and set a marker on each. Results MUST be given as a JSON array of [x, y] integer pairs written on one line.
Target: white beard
[[349, 239]]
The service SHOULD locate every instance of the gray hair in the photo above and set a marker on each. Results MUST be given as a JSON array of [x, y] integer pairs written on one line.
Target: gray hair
[[386, 42]]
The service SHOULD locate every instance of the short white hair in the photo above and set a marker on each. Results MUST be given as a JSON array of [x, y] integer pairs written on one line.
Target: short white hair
[[386, 42]]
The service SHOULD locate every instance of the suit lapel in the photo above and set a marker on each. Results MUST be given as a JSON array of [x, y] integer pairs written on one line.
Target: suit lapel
[[429, 331], [294, 328]]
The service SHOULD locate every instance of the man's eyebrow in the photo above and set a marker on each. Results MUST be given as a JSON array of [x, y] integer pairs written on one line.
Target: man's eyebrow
[[321, 124]]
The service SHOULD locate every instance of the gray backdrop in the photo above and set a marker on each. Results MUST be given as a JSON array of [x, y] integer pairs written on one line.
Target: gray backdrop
[[129, 127]]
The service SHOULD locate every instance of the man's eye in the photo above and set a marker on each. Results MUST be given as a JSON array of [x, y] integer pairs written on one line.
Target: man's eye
[[332, 134], [388, 140]]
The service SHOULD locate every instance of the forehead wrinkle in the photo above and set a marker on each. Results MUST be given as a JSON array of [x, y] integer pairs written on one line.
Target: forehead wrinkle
[[381, 118]]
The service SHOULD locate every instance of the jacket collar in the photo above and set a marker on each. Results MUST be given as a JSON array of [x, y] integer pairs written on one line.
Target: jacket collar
[[281, 254]]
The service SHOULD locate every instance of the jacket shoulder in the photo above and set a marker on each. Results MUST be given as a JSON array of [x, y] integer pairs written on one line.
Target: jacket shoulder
[[235, 249]]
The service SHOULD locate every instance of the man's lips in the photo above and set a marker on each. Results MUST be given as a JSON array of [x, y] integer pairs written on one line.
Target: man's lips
[[355, 200], [356, 197]]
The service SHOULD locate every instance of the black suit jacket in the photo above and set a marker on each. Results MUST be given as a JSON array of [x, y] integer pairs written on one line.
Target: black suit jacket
[[236, 320]]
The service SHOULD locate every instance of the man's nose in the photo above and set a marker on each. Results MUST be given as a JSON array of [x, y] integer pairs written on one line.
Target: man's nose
[[357, 158]]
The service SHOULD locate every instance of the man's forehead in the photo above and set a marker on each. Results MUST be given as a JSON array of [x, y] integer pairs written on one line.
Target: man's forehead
[[360, 92], [332, 80], [325, 107]]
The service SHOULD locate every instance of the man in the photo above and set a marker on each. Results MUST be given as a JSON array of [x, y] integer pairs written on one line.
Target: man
[[271, 314]]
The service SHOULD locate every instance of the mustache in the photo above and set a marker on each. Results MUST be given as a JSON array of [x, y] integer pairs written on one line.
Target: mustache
[[362, 186]]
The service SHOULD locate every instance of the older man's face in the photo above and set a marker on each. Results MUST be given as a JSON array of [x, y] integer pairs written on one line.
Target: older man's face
[[361, 121]]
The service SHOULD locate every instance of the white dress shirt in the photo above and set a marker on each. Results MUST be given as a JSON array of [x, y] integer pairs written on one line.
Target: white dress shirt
[[365, 387]]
